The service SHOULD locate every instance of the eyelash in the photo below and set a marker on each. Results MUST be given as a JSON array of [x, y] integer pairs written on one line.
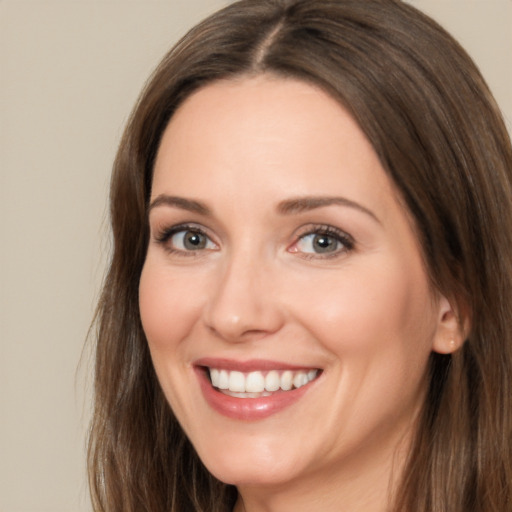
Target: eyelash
[[344, 239], [165, 235]]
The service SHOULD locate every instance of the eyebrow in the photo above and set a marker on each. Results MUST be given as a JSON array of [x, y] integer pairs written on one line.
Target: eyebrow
[[286, 207], [306, 203], [180, 202]]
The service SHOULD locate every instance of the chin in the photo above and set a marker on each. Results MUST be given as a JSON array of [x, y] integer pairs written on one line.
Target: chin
[[248, 475], [257, 467]]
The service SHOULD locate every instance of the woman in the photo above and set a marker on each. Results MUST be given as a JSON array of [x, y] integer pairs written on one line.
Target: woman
[[309, 299]]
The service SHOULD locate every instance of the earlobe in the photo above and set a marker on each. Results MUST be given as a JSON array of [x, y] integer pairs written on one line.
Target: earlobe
[[452, 330]]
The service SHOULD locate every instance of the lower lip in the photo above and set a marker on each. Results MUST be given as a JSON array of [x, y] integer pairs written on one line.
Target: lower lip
[[248, 409]]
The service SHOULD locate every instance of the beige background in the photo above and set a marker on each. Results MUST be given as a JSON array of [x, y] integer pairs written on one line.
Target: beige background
[[70, 71]]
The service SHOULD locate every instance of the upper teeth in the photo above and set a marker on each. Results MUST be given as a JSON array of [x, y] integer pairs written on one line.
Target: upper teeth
[[258, 382]]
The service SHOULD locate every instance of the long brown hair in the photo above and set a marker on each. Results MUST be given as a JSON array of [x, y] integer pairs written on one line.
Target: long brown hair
[[431, 119]]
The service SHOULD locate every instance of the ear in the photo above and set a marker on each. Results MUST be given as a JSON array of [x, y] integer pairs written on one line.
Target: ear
[[452, 328]]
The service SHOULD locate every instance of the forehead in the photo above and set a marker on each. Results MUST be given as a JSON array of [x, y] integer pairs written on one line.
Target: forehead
[[239, 137]]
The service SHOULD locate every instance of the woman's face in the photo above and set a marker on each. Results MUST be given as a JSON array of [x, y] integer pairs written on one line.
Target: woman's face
[[282, 267]]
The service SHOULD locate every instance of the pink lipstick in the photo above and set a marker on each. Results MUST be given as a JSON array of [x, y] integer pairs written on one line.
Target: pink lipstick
[[252, 390]]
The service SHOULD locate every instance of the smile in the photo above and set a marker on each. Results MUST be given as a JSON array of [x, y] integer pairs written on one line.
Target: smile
[[253, 390], [257, 384]]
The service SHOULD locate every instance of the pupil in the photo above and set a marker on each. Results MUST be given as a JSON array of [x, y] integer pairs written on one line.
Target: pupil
[[194, 241], [324, 243]]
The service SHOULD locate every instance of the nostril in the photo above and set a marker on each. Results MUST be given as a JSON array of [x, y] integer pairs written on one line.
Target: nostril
[[238, 328]]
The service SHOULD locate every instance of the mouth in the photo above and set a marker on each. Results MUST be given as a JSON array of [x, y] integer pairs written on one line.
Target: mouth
[[253, 390], [258, 384]]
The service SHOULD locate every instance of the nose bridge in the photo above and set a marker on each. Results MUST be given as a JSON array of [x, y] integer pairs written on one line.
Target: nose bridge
[[241, 304]]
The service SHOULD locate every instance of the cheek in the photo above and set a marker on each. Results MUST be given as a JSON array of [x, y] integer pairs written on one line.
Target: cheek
[[367, 311], [168, 307], [378, 327]]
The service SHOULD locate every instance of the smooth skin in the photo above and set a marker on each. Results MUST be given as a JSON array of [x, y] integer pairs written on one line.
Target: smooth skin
[[288, 242]]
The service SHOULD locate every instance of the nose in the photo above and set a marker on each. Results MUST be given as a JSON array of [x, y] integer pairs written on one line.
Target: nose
[[243, 304]]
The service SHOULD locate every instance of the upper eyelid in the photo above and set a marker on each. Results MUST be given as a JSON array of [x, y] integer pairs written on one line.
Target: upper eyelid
[[178, 226], [324, 228], [161, 218], [164, 232]]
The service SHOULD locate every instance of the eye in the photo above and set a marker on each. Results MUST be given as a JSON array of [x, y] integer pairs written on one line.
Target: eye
[[323, 241], [185, 239], [318, 243], [189, 240]]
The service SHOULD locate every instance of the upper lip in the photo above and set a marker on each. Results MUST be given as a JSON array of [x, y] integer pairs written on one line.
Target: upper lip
[[250, 365]]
